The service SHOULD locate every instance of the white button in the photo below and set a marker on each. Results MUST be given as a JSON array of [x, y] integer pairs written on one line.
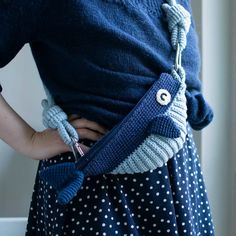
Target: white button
[[163, 96]]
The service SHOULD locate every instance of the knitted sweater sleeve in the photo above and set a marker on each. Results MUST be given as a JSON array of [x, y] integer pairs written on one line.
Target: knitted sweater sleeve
[[200, 113], [18, 26]]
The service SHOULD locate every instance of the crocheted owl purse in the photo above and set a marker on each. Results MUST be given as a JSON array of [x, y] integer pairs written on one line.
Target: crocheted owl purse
[[148, 136]]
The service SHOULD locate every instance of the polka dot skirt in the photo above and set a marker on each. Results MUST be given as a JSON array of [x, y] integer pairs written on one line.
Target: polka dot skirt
[[170, 200]]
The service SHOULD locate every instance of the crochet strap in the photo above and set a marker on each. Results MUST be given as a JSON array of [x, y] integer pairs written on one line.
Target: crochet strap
[[55, 118], [179, 21]]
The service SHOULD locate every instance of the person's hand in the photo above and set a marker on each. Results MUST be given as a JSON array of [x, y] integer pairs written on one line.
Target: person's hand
[[48, 143], [87, 129]]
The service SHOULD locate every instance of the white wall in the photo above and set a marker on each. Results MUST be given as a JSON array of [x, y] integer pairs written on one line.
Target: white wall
[[216, 160], [232, 104], [212, 19], [23, 90], [13, 226]]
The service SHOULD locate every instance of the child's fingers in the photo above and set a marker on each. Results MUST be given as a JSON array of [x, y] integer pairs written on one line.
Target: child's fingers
[[82, 123], [89, 134]]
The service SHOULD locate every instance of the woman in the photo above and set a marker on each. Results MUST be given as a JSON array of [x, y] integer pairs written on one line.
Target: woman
[[98, 58]]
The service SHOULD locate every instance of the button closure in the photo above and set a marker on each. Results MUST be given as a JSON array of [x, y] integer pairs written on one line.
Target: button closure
[[163, 97]]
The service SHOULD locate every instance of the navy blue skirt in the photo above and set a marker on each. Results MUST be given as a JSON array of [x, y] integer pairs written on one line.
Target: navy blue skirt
[[170, 200]]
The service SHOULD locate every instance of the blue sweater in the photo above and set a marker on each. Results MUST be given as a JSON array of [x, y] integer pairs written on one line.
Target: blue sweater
[[99, 57]]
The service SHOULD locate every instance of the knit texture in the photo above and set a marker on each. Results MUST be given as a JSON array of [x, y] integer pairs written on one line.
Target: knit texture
[[126, 148], [167, 122], [91, 59], [65, 179], [159, 147], [54, 117], [112, 80], [179, 21]]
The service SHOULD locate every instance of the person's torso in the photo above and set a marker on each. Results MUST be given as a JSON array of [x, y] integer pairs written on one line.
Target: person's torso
[[99, 57]]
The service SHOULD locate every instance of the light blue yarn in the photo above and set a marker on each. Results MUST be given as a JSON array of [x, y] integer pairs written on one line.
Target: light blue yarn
[[179, 21], [156, 150], [54, 117]]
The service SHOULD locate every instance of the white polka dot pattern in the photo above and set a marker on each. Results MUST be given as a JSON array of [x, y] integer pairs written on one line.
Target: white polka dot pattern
[[171, 200]]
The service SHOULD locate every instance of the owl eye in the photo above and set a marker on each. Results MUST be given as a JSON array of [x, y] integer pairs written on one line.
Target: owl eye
[[163, 97]]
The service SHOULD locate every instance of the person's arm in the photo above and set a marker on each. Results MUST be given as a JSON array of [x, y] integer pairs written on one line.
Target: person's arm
[[17, 133], [20, 23], [24, 139]]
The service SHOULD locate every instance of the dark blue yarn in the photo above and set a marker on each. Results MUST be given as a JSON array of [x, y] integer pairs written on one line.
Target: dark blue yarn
[[66, 194], [115, 146], [99, 57], [65, 178], [164, 126], [58, 175]]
